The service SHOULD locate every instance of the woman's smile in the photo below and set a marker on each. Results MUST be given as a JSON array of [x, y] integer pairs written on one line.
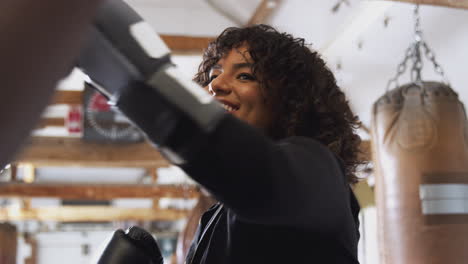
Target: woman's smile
[[234, 85]]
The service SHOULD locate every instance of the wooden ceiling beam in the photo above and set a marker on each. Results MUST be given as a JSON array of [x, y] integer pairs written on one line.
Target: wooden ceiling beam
[[72, 97], [52, 151], [90, 214], [447, 3], [263, 11], [95, 191], [185, 43], [56, 151], [51, 122], [68, 97]]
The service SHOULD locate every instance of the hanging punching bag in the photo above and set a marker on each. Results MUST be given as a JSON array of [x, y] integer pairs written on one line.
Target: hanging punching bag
[[421, 159]]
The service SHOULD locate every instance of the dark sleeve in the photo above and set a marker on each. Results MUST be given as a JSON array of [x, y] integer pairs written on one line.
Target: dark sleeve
[[294, 182]]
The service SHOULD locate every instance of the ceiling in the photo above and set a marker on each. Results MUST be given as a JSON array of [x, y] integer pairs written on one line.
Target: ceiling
[[363, 41]]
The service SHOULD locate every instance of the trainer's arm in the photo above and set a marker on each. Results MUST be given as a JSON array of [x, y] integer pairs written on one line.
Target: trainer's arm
[[38, 42]]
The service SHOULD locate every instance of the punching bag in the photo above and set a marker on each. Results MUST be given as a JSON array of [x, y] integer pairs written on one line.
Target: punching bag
[[420, 156]]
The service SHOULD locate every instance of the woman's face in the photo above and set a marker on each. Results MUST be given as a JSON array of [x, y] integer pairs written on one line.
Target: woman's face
[[233, 84]]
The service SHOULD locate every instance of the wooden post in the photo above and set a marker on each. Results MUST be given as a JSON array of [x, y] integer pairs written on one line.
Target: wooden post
[[8, 243], [154, 178], [13, 171], [31, 240]]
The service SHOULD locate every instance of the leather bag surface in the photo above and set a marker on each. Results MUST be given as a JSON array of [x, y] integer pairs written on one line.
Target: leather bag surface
[[420, 155]]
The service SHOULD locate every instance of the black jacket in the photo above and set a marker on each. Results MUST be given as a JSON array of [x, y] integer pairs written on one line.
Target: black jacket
[[280, 202]]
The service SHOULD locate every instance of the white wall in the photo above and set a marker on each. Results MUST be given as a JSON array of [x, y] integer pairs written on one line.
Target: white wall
[[64, 247]]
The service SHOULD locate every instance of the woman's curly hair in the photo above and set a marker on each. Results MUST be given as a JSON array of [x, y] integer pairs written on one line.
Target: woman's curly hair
[[299, 87]]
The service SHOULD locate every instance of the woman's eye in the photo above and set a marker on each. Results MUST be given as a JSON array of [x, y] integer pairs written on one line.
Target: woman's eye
[[246, 76]]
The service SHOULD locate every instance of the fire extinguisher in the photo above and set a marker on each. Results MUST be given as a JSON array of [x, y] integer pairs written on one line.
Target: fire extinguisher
[[74, 120]]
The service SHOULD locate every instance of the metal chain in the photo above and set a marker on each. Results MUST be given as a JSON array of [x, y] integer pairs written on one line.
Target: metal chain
[[414, 52], [417, 25], [417, 60], [437, 68], [417, 65], [401, 68]]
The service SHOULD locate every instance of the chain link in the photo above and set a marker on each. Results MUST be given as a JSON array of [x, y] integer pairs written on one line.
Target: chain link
[[437, 68], [417, 60], [401, 68], [417, 65], [414, 52], [417, 25]]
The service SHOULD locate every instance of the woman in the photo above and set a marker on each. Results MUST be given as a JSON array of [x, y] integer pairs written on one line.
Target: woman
[[282, 163]]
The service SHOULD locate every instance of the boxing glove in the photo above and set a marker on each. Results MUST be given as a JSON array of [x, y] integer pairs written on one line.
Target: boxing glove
[[128, 63], [135, 246]]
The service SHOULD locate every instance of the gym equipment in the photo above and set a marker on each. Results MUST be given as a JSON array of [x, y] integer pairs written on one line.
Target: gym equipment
[[134, 246], [130, 65], [420, 153]]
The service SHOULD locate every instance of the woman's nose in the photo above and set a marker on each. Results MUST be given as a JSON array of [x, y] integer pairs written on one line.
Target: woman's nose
[[220, 86]]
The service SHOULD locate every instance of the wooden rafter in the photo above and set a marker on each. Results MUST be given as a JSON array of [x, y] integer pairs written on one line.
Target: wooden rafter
[[95, 191], [263, 11], [186, 43], [448, 3], [52, 151], [90, 214], [68, 97], [32, 241], [102, 151], [51, 122], [14, 172]]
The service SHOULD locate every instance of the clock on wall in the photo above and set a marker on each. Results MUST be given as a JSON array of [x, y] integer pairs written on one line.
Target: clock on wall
[[104, 123]]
